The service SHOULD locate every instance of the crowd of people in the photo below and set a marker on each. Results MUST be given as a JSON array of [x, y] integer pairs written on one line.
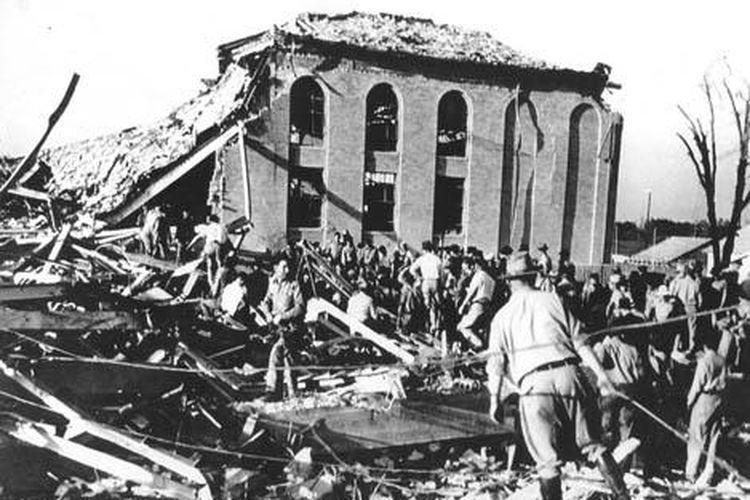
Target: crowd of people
[[638, 334]]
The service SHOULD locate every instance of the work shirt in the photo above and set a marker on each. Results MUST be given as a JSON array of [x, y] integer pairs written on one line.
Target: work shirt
[[361, 307], [233, 297], [687, 290], [710, 376], [216, 232], [532, 329], [429, 266], [369, 256], [284, 298], [481, 287], [623, 363]]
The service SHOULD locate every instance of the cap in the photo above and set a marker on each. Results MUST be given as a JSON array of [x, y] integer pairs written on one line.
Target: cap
[[543, 247]]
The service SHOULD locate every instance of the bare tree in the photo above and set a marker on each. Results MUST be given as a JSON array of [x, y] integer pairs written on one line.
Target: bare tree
[[700, 143]]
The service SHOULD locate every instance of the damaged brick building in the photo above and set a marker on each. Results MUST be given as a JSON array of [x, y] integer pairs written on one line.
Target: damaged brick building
[[390, 127], [401, 129]]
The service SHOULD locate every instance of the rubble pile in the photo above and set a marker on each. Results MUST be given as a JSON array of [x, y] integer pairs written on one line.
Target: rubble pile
[[391, 33], [135, 365], [100, 173]]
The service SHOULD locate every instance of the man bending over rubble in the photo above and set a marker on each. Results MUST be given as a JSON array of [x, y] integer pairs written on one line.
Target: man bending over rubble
[[284, 307], [537, 341]]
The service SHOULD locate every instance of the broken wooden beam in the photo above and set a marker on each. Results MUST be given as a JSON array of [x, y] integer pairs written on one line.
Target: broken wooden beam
[[147, 260], [25, 192], [57, 247], [14, 293], [22, 320], [42, 437], [78, 424], [171, 176], [317, 306]]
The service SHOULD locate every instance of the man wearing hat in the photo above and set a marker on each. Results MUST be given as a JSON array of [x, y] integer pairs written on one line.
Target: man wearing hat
[[686, 288], [538, 343], [545, 269]]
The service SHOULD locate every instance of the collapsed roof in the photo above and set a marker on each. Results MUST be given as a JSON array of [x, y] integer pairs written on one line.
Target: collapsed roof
[[390, 33], [412, 43], [411, 35], [101, 173]]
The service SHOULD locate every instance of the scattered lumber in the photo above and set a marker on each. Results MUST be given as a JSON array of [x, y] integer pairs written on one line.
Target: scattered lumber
[[317, 306], [23, 320], [195, 487], [55, 252], [15, 293], [147, 260]]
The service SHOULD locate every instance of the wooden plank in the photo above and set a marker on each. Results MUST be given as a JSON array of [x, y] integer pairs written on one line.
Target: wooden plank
[[37, 435], [30, 160], [23, 262], [25, 192], [229, 384], [78, 425], [171, 177], [317, 306], [57, 247], [110, 264], [147, 260], [13, 293], [20, 320], [245, 174]]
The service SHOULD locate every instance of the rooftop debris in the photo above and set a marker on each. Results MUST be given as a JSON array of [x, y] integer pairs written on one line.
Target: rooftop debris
[[100, 173], [410, 35], [391, 33]]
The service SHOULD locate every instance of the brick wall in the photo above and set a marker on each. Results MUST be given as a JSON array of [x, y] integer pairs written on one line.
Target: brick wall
[[544, 151]]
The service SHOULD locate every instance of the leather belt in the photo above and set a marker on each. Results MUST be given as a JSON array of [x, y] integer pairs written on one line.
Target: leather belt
[[551, 366]]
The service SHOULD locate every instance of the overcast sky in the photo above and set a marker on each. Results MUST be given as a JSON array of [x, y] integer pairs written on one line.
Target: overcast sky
[[138, 59]]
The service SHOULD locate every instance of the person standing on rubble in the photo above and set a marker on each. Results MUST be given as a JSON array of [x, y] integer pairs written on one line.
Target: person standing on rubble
[[428, 268], [705, 401], [476, 303], [686, 288], [538, 343], [284, 308], [150, 231], [183, 235], [214, 249]]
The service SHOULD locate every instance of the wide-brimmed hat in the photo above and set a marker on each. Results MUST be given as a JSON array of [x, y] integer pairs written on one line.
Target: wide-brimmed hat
[[519, 265]]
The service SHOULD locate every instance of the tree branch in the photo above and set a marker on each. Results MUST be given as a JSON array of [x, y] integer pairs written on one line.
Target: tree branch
[[693, 159]]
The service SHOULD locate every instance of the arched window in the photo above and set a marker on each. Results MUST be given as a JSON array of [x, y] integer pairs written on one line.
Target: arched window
[[522, 140], [451, 132], [306, 190], [580, 178], [307, 113], [381, 127]]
